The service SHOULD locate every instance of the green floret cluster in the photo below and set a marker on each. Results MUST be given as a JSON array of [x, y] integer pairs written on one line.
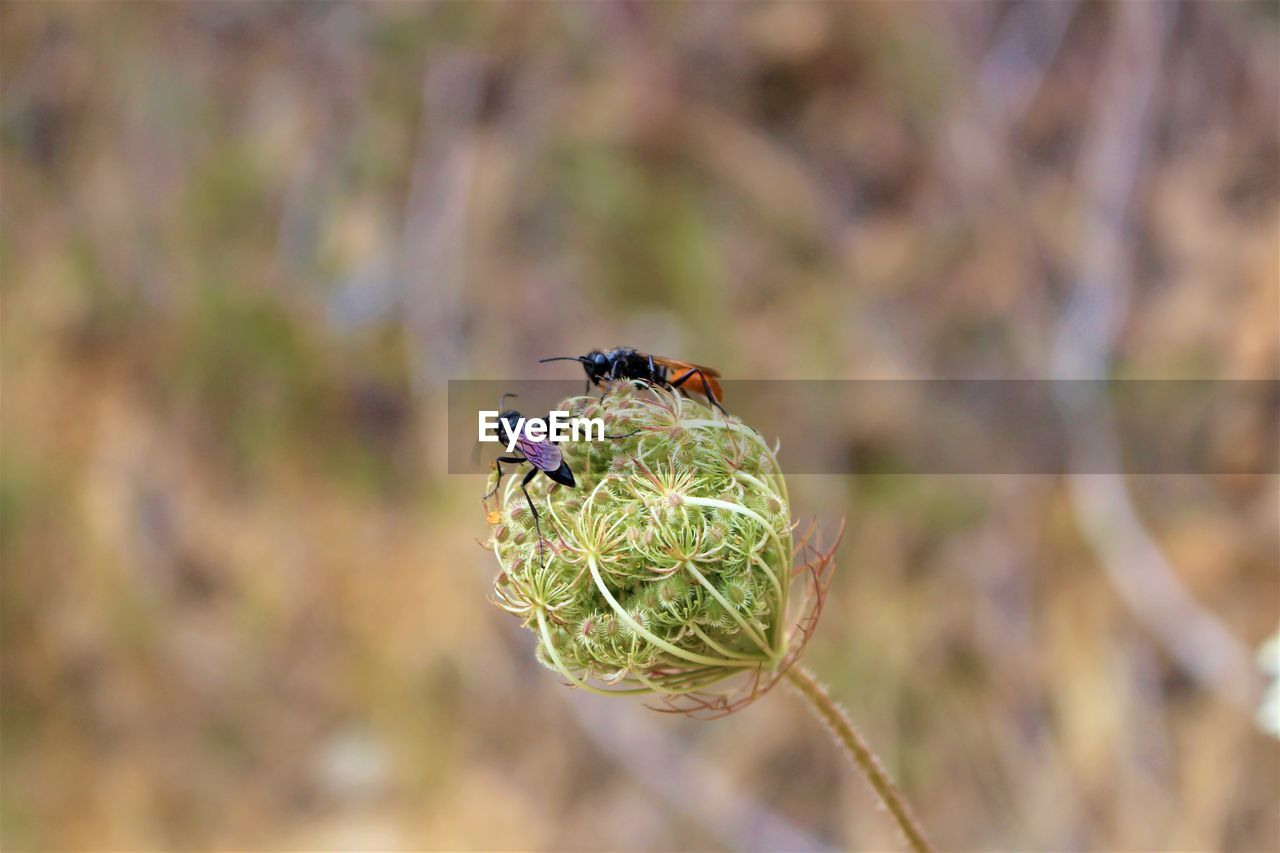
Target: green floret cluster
[[666, 570]]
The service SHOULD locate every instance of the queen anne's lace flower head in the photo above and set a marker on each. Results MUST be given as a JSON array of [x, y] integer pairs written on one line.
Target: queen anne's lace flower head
[[667, 570]]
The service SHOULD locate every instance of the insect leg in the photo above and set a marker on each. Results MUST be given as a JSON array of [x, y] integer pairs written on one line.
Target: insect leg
[[706, 387], [613, 377], [513, 460], [537, 526]]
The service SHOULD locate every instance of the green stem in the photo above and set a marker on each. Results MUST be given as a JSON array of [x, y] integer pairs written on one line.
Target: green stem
[[827, 710]]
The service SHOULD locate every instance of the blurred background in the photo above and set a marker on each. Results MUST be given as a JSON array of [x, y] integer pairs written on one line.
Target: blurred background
[[245, 245]]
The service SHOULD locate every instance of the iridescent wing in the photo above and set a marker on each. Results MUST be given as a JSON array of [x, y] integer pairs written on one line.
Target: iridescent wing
[[543, 455]]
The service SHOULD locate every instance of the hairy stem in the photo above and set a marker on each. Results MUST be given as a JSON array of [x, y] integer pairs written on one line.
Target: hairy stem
[[827, 710]]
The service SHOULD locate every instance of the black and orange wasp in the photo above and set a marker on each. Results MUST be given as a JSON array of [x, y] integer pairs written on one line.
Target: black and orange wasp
[[603, 367]]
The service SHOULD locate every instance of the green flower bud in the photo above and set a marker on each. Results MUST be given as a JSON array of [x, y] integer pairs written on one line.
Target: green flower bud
[[667, 570]]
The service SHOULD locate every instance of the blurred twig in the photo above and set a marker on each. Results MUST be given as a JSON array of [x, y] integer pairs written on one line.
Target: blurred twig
[[430, 269], [978, 150], [685, 784], [1117, 135], [1015, 69]]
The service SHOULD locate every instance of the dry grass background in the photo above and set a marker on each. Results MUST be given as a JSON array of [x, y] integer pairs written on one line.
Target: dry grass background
[[244, 245]]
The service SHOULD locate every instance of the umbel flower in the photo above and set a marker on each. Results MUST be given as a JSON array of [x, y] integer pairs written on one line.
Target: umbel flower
[[669, 571]]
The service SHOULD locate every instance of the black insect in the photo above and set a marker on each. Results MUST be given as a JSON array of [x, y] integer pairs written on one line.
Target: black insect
[[543, 455], [629, 363]]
